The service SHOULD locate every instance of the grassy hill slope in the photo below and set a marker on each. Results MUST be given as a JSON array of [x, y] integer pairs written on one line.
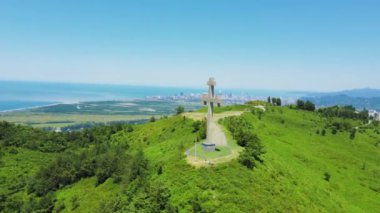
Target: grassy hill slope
[[303, 170]]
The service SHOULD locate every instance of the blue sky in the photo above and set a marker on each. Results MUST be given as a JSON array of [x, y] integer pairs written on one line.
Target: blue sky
[[310, 45]]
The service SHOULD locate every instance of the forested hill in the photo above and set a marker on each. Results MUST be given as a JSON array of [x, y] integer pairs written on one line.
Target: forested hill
[[293, 160], [359, 98]]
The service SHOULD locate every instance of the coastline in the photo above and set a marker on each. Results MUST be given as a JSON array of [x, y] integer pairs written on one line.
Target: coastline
[[28, 108]]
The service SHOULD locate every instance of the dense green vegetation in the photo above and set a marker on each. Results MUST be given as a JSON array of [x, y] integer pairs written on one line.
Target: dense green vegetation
[[292, 160], [242, 132], [274, 101], [345, 112], [305, 105]]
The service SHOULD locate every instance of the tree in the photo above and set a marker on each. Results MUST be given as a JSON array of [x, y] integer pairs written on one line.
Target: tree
[[323, 132], [252, 154], [196, 126], [160, 196], [139, 166], [345, 112], [327, 176], [130, 128], [152, 119], [159, 170], [202, 131], [278, 102], [363, 115], [274, 101], [244, 136], [242, 132], [180, 109], [106, 166], [309, 106], [269, 100], [300, 104]]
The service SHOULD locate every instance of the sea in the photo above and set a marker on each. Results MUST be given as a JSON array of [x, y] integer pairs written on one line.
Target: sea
[[16, 95]]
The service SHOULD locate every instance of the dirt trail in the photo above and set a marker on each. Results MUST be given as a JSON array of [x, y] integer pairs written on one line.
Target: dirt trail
[[217, 134], [217, 116]]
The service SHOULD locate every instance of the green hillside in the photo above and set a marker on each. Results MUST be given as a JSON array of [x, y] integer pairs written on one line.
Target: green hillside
[[311, 163]]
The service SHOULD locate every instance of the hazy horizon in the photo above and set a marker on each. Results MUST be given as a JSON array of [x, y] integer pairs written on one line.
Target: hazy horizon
[[200, 87], [291, 45]]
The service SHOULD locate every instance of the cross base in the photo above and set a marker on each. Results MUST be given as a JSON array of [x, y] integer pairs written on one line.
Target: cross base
[[208, 147]]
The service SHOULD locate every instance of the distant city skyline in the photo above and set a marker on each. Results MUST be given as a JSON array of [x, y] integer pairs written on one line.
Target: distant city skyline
[[292, 45]]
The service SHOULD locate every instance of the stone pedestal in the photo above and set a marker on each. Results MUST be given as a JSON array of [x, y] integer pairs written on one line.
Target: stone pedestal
[[208, 147]]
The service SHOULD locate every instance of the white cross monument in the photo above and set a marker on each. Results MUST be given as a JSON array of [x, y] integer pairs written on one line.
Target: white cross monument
[[210, 100]]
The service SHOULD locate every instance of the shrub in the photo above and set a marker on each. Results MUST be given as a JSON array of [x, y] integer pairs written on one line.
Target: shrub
[[130, 128], [278, 102], [323, 133], [308, 105], [300, 104], [13, 151], [180, 110], [327, 176], [353, 134], [196, 126], [242, 132], [59, 206], [202, 131], [159, 170], [244, 136], [252, 154]]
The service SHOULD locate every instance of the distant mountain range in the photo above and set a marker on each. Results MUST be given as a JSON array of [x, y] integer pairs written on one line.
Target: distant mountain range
[[357, 93], [360, 98]]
